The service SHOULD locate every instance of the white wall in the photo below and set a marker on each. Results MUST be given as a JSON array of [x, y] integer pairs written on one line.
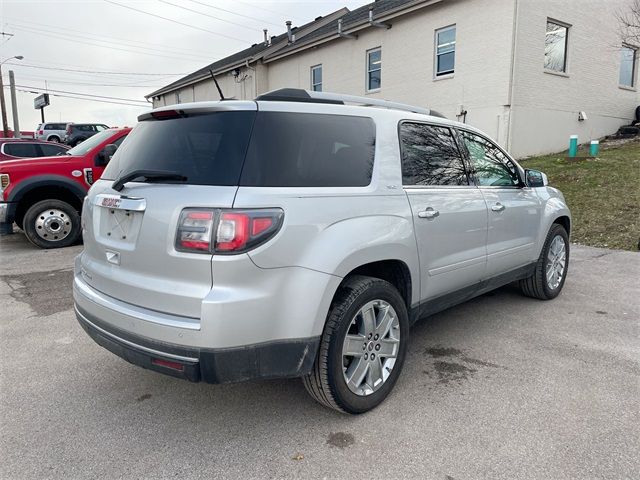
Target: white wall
[[545, 106], [239, 88], [482, 70]]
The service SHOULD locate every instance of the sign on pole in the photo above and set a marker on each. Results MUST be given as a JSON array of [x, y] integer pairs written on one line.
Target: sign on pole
[[41, 101]]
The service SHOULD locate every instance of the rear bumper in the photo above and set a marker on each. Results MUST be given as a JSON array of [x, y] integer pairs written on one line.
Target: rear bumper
[[278, 359]]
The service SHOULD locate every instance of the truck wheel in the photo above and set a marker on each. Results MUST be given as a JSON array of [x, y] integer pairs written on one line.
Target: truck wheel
[[548, 278], [362, 348], [52, 224]]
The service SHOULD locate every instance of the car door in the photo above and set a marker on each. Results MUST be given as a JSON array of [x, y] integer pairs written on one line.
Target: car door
[[514, 209], [449, 212]]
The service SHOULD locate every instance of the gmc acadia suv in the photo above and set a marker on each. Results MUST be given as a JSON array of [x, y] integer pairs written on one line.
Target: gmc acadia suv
[[298, 236]]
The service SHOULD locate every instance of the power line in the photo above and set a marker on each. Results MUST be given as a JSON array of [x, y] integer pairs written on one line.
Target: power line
[[66, 38], [253, 29], [235, 13], [80, 98], [96, 71], [80, 93], [176, 21], [109, 39], [51, 81]]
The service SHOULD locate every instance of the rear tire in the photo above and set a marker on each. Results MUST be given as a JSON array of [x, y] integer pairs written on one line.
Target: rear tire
[[52, 224], [54, 138], [545, 283], [383, 334]]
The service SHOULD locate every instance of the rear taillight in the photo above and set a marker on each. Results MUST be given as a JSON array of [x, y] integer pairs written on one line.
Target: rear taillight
[[194, 230], [226, 231], [40, 132]]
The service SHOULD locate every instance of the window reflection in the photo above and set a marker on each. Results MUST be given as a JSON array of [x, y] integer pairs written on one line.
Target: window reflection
[[491, 166], [430, 156]]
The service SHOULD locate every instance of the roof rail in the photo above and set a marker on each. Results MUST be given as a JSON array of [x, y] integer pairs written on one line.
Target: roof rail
[[300, 95]]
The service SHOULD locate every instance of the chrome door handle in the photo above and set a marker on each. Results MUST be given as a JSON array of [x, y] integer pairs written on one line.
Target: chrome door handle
[[429, 213], [498, 207]]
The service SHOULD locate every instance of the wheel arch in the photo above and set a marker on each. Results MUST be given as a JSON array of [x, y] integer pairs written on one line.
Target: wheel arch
[[40, 188], [394, 271]]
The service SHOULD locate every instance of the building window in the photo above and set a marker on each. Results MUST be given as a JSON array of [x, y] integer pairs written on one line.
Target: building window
[[445, 50], [374, 69], [555, 47], [627, 66], [316, 78]]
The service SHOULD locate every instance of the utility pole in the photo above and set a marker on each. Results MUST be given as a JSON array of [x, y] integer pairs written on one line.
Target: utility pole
[[3, 106], [14, 105]]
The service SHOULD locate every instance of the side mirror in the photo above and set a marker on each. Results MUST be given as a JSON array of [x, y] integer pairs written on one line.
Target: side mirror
[[535, 178], [105, 154]]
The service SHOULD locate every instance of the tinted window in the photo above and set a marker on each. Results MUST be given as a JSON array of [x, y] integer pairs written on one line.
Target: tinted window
[[207, 149], [21, 149], [83, 128], [51, 150], [309, 150], [430, 156], [54, 126], [491, 166]]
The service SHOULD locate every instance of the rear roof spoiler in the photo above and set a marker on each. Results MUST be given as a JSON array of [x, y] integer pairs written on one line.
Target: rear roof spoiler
[[300, 95]]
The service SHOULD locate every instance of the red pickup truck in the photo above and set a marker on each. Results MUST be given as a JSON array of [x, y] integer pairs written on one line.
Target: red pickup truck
[[44, 196]]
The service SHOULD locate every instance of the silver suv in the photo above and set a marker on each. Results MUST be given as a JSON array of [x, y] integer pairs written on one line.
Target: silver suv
[[51, 132], [300, 235]]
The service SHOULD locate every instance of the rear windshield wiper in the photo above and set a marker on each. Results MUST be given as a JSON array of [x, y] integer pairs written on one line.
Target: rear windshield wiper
[[118, 185]]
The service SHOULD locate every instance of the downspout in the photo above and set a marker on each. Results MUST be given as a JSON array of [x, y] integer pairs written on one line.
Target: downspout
[[255, 77], [514, 39]]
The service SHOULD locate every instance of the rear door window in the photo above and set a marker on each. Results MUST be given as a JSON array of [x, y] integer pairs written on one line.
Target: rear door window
[[208, 149], [430, 156], [310, 150], [21, 149], [51, 150]]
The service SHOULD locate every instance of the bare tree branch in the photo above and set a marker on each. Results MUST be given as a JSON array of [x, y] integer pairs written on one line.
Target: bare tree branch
[[629, 24]]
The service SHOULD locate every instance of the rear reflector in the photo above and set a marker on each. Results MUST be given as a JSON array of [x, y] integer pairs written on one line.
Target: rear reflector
[[168, 364]]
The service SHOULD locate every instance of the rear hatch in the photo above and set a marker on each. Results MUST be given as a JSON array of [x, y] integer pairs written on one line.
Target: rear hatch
[[130, 233]]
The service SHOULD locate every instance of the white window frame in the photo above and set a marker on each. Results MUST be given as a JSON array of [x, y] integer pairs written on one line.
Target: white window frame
[[448, 73], [313, 85], [368, 71], [634, 67], [565, 71]]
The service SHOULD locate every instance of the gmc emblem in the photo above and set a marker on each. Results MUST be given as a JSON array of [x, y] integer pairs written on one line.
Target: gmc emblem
[[111, 202]]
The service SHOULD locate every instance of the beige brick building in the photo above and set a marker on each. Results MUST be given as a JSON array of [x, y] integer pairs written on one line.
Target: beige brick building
[[528, 72]]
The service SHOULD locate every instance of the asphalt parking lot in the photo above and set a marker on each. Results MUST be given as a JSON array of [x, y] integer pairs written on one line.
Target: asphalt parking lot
[[501, 387]]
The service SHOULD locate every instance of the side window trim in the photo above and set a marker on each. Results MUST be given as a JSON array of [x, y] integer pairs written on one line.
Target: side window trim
[[469, 163], [463, 156]]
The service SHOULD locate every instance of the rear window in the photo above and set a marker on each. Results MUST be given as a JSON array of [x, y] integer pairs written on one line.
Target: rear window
[[310, 150], [208, 149], [21, 149], [263, 149]]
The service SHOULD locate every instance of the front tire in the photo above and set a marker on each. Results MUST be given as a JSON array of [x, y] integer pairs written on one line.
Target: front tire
[[363, 347], [52, 224], [550, 273]]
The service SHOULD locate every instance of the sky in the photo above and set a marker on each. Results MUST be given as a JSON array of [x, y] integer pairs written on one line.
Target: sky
[[117, 51]]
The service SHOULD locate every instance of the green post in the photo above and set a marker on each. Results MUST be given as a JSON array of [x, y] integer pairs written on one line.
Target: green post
[[573, 145], [593, 150]]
